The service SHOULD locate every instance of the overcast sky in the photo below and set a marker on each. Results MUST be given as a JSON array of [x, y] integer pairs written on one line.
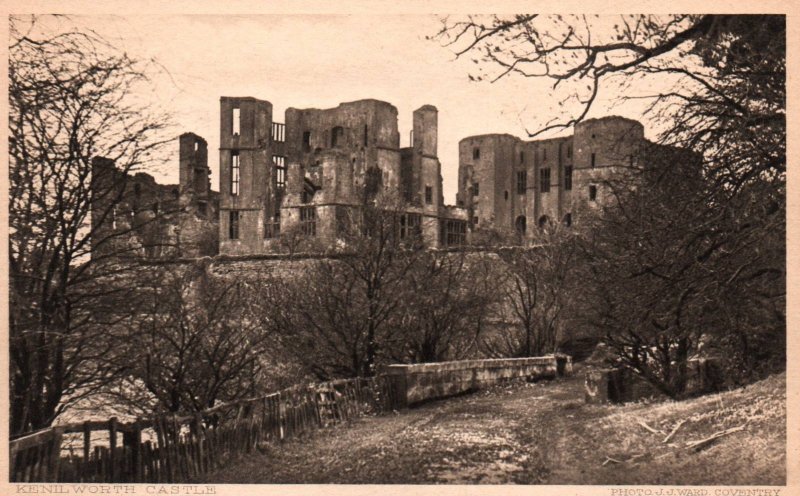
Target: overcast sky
[[320, 61]]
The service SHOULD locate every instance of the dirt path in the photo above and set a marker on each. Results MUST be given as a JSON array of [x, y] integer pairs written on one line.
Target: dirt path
[[503, 435], [539, 433]]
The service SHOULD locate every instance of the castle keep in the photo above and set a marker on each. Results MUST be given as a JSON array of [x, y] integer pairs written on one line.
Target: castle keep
[[307, 177]]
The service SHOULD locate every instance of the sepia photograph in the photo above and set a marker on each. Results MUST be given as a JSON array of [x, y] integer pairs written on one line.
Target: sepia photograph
[[384, 248]]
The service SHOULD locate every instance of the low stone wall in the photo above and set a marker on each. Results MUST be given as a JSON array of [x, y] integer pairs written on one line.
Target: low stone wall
[[420, 382], [624, 385]]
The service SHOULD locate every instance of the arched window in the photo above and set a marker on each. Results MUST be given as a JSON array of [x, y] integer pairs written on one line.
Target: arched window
[[476, 153], [520, 224], [568, 220], [544, 221]]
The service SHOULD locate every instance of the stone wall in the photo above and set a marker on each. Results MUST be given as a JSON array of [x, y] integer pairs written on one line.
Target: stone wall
[[420, 382], [624, 385]]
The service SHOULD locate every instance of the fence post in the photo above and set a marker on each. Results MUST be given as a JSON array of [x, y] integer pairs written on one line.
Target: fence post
[[136, 451], [87, 445], [55, 454], [112, 444]]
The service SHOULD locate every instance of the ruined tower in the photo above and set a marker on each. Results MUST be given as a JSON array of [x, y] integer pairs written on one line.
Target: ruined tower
[[247, 191]]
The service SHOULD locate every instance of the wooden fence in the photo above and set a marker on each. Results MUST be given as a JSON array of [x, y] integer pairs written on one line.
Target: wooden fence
[[170, 449]]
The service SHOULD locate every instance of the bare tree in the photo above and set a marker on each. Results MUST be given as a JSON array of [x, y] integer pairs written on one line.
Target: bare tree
[[450, 300], [335, 320], [536, 295], [699, 260], [71, 101], [197, 340]]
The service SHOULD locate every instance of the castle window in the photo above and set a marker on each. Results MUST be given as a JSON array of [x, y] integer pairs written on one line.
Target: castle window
[[410, 226], [520, 224], [544, 153], [522, 182], [592, 192], [428, 195], [366, 135], [280, 172], [544, 180], [475, 220], [476, 153], [522, 157], [233, 224], [114, 216], [505, 194], [196, 146], [543, 221], [593, 160], [569, 151], [568, 178], [454, 232], [475, 189], [155, 208], [237, 121], [308, 221], [337, 136], [568, 220], [272, 225], [306, 141], [202, 208], [235, 170]]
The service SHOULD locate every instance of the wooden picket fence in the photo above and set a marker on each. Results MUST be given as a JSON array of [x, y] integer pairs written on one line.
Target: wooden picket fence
[[168, 449]]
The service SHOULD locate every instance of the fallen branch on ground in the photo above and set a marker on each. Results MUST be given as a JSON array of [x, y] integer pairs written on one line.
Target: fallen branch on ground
[[610, 460], [654, 431], [702, 443], [669, 436]]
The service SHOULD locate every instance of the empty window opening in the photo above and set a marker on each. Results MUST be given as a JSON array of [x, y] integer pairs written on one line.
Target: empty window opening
[[454, 232], [202, 208], [428, 195], [280, 172], [522, 157], [520, 224], [568, 178], [544, 221], [308, 221], [278, 132], [366, 135], [544, 153], [196, 146], [568, 220], [337, 136], [235, 173], [306, 141], [592, 192], [410, 226], [272, 225], [475, 221], [237, 121], [544, 180], [476, 189], [155, 208], [522, 182], [505, 194], [593, 159], [569, 151], [233, 224], [476, 153], [592, 135]]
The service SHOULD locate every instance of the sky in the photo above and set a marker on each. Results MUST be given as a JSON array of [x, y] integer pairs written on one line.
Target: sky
[[319, 61]]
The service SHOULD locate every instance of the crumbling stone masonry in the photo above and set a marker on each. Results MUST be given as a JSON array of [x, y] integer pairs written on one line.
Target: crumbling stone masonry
[[518, 186], [153, 220], [303, 183], [304, 176]]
